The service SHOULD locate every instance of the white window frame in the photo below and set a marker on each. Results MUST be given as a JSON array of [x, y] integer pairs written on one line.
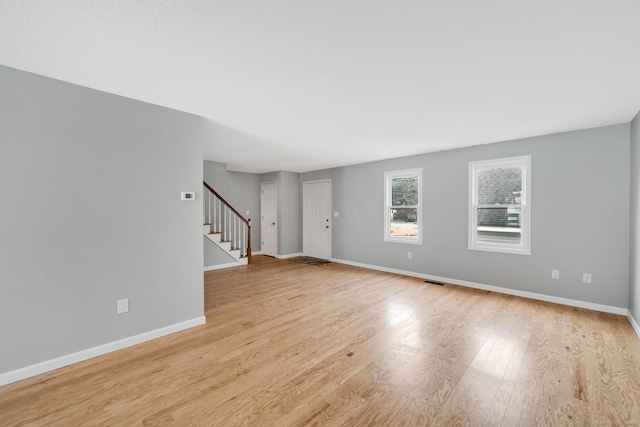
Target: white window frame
[[524, 248], [388, 176]]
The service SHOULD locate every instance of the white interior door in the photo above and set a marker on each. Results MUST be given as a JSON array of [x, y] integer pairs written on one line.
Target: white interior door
[[269, 215], [317, 219]]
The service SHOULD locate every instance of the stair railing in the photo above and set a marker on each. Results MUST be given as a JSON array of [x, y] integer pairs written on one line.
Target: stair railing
[[223, 219]]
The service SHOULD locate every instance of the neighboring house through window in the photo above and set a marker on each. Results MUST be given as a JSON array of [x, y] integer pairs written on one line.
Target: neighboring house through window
[[403, 206], [500, 205]]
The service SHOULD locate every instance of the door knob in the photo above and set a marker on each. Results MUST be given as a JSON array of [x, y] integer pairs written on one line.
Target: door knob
[[327, 226], [273, 223]]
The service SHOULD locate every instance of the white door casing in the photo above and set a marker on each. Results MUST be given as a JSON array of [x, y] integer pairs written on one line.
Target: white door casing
[[316, 214], [268, 215]]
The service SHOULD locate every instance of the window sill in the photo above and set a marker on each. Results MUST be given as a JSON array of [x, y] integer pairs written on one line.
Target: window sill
[[401, 240], [504, 250]]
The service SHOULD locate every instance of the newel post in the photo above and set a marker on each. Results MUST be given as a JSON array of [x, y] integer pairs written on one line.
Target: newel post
[[249, 241]]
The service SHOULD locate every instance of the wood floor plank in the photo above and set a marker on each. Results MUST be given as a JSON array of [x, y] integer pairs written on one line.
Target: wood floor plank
[[288, 344]]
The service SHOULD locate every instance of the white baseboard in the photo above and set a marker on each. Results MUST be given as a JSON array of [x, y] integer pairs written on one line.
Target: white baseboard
[[69, 359], [541, 297], [219, 266], [289, 255], [634, 323]]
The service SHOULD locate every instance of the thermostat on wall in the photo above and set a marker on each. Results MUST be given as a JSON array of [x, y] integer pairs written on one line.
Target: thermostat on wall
[[188, 195]]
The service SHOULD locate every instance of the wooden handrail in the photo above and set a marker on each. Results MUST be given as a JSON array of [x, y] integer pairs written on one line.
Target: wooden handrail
[[243, 219], [226, 203]]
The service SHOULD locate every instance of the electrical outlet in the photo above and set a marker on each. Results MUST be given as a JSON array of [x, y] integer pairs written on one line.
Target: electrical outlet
[[409, 255], [122, 306], [586, 277], [247, 213], [336, 214], [555, 274]]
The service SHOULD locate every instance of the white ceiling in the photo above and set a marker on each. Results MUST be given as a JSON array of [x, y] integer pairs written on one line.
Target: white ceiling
[[303, 85]]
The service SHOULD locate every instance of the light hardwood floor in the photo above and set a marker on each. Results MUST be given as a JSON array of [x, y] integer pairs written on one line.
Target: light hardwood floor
[[288, 344]]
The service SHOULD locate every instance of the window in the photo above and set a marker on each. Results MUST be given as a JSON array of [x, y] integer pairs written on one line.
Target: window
[[403, 208], [500, 205]]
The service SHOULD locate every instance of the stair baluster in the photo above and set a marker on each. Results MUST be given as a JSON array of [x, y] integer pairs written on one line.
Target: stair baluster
[[223, 220]]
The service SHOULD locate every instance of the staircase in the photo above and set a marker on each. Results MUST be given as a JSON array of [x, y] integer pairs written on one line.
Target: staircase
[[225, 227]]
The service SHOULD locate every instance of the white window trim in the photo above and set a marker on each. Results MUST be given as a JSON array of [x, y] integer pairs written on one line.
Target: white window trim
[[388, 176], [525, 216]]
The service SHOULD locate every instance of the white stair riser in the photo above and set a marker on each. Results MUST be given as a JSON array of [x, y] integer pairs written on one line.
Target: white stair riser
[[215, 238], [226, 246], [206, 229]]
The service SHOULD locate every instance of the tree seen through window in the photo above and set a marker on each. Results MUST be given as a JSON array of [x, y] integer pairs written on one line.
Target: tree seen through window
[[402, 210]]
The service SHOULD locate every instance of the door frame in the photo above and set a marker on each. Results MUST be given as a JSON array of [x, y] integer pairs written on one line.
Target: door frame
[[304, 221], [262, 225]]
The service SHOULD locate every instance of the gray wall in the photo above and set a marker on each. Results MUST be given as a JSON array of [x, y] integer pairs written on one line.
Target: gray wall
[[90, 201], [634, 279], [242, 191], [580, 216], [213, 255], [289, 211]]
